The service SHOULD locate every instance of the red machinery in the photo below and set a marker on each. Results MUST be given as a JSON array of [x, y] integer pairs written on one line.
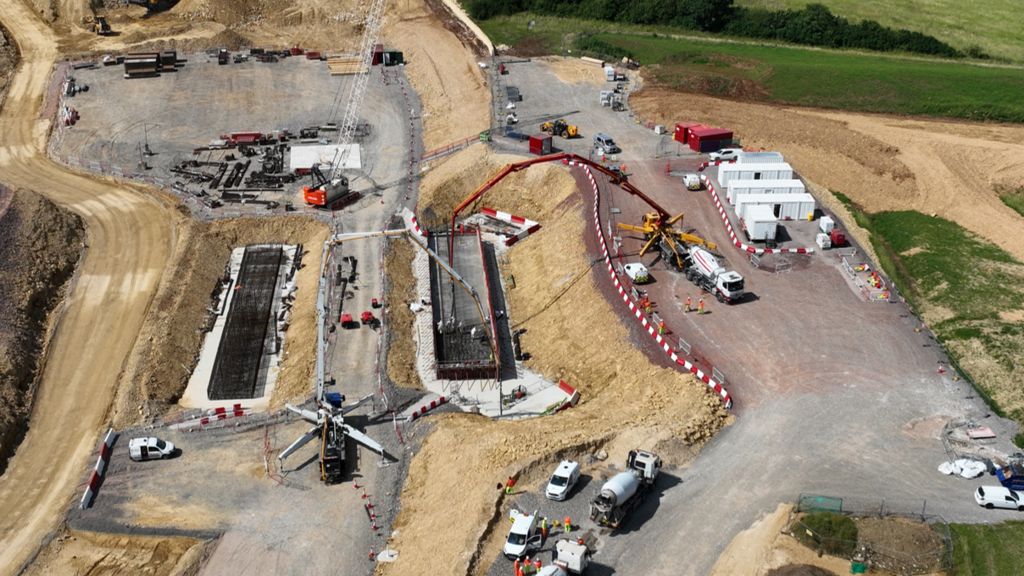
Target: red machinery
[[367, 317], [347, 321], [616, 176]]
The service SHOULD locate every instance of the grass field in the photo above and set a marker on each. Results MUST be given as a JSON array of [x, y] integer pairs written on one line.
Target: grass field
[[790, 75], [971, 293], [1014, 199], [995, 25], [988, 550]]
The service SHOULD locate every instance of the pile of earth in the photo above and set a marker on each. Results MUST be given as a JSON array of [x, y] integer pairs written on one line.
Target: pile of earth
[[39, 247]]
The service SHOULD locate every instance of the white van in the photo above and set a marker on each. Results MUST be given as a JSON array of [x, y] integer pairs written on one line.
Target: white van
[[691, 181], [637, 272], [562, 480], [523, 537], [151, 448]]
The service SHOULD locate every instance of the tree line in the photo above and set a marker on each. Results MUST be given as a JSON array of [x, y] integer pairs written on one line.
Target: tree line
[[813, 25]]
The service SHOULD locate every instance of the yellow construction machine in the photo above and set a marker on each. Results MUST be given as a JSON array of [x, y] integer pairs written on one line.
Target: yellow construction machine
[[560, 128], [663, 235]]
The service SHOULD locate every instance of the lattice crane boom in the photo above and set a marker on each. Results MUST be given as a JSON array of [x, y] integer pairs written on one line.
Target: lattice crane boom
[[371, 31]]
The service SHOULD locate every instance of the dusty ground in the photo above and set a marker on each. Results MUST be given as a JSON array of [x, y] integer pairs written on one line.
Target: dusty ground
[[444, 73], [200, 24], [949, 169], [130, 235], [110, 554], [401, 289], [40, 245], [764, 550], [159, 373], [575, 71], [556, 300]]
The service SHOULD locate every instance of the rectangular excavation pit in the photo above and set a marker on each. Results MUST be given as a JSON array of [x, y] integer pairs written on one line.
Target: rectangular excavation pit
[[241, 353]]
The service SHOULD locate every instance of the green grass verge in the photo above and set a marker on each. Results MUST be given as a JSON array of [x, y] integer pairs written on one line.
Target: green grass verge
[[789, 75], [1014, 199], [994, 26], [988, 549], [936, 264]]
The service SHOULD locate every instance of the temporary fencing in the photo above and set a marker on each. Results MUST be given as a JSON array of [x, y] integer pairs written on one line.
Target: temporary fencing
[[639, 314]]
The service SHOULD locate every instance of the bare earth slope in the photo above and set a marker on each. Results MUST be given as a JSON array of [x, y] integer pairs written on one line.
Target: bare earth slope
[[39, 247], [130, 237]]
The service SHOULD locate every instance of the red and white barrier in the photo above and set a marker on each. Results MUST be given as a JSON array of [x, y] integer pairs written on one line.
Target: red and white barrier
[[638, 314], [572, 395], [525, 225], [411, 223], [715, 163], [426, 407], [732, 233], [99, 470], [213, 415]]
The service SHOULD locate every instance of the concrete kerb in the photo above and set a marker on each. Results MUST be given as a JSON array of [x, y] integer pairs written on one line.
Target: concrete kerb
[[732, 233], [99, 469], [637, 312]]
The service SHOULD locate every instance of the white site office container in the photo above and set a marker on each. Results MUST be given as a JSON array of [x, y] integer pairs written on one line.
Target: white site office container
[[759, 158], [760, 223], [783, 206], [771, 171], [743, 187]]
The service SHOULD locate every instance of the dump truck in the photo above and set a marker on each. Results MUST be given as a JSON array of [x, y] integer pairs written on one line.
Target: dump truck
[[703, 269], [624, 491], [560, 128]]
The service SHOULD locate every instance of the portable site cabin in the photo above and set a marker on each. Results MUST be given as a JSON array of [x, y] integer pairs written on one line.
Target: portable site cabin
[[773, 171], [782, 206], [759, 158], [759, 223], [740, 187]]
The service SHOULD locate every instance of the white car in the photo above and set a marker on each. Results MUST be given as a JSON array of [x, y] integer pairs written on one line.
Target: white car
[[151, 448], [725, 154], [998, 497], [691, 181], [523, 537], [637, 272], [562, 480]]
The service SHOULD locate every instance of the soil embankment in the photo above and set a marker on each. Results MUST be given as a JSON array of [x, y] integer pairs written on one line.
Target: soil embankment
[[39, 247]]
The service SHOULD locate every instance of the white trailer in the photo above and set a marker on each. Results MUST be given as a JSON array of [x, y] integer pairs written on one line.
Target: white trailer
[[759, 158], [770, 171], [759, 223], [742, 187], [783, 206]]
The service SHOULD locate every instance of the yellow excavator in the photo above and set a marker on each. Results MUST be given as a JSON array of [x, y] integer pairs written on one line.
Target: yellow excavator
[[666, 238], [560, 128]]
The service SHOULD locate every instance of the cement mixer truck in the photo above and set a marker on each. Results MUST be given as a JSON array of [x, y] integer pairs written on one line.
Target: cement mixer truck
[[622, 492], [703, 269]]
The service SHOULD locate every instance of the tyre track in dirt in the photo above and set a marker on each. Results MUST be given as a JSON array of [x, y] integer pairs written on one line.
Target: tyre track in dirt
[[130, 237]]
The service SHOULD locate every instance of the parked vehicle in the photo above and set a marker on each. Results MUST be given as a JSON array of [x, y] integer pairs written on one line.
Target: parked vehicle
[[560, 128], [149, 448], [998, 497], [1011, 477], [523, 537], [626, 489], [704, 270], [637, 272], [691, 181], [562, 480], [725, 155], [604, 144]]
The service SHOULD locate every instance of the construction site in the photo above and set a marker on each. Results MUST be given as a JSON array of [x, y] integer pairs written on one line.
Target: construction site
[[401, 303]]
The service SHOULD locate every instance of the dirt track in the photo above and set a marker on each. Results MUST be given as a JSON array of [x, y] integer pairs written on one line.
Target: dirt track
[[130, 237]]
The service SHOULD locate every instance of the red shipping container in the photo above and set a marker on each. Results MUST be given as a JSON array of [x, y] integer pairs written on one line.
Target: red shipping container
[[540, 144], [682, 131], [705, 134], [378, 54], [312, 55]]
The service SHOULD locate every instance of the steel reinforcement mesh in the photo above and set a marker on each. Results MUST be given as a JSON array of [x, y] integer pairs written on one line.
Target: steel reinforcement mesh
[[237, 367]]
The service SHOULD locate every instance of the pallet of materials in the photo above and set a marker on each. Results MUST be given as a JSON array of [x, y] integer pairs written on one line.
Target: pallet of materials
[[342, 65]]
